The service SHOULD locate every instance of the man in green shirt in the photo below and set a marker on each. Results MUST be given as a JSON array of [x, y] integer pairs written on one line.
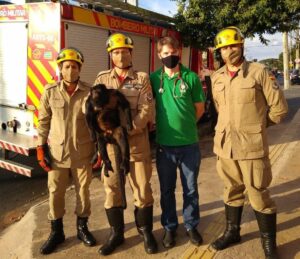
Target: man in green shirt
[[179, 105]]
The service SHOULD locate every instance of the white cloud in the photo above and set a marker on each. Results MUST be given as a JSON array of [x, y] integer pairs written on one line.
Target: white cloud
[[254, 49]]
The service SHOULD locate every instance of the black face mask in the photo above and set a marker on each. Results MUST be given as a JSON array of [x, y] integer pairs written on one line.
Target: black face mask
[[170, 61]]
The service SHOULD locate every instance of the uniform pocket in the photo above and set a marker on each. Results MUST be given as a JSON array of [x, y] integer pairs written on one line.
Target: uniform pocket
[[219, 94], [57, 107], [262, 174], [246, 93], [132, 95], [251, 137]]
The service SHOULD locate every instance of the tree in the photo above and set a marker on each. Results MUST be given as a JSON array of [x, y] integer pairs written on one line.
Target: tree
[[200, 20], [292, 55], [272, 63]]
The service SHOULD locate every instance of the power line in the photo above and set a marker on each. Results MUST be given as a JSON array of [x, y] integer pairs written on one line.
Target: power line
[[263, 46]]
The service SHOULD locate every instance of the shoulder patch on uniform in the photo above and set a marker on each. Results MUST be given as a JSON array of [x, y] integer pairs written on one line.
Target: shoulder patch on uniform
[[272, 77], [49, 86], [142, 74], [275, 84]]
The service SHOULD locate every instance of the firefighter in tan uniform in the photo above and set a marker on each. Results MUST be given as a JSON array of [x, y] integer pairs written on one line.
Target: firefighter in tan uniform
[[248, 100], [62, 122], [136, 87]]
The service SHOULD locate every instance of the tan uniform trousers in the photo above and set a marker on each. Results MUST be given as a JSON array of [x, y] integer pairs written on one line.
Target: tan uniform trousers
[[139, 180], [253, 176], [58, 181]]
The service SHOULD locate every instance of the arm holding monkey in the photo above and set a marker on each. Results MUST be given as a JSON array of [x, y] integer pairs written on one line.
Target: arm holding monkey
[[124, 106], [144, 105]]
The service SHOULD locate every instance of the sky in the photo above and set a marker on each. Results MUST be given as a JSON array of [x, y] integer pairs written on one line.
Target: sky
[[254, 49]]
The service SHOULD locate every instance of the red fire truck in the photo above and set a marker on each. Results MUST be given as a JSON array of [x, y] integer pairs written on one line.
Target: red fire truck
[[32, 34]]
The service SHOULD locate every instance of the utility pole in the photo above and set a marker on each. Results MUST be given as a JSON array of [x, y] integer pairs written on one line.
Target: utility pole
[[290, 44], [297, 60], [286, 75]]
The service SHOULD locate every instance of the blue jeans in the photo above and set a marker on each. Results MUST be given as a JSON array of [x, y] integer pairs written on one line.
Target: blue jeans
[[187, 159]]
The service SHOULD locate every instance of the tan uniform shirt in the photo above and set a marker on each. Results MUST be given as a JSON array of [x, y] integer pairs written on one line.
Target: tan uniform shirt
[[247, 103], [61, 119], [136, 87]]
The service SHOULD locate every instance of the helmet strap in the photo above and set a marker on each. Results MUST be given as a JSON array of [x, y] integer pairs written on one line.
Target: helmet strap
[[74, 82], [124, 67]]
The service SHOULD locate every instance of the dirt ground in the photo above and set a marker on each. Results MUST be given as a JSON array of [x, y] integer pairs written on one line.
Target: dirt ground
[[19, 193]]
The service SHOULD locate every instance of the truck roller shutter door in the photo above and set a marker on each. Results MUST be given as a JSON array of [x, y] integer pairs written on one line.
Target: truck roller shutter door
[[141, 53], [91, 42], [13, 63]]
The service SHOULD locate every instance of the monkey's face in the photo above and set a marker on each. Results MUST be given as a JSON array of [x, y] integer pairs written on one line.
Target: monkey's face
[[99, 97]]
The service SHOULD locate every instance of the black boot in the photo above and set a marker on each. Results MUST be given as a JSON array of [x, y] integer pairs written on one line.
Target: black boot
[[115, 218], [169, 239], [144, 224], [56, 237], [232, 231], [267, 227], [83, 232], [195, 236]]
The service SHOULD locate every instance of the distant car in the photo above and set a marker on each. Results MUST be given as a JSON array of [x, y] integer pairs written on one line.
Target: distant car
[[280, 78], [295, 77]]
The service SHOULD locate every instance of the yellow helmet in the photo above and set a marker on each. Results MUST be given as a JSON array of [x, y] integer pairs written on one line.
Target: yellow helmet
[[70, 54], [228, 36], [118, 40]]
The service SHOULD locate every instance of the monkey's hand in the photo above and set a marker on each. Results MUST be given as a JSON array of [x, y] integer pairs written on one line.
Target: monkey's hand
[[129, 127], [107, 167], [96, 161]]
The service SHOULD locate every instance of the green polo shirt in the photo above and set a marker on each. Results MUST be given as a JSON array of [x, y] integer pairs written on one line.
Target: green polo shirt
[[176, 123]]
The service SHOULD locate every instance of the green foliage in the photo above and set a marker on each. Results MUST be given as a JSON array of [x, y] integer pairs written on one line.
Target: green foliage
[[200, 20], [272, 63], [292, 55]]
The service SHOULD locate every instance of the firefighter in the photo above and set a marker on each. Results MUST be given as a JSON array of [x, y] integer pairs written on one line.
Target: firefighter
[[248, 100], [136, 87], [70, 148]]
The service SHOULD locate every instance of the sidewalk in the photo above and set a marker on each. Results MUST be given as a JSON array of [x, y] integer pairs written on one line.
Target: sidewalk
[[23, 239]]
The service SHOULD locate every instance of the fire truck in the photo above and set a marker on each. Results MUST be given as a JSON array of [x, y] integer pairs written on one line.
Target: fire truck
[[32, 34]]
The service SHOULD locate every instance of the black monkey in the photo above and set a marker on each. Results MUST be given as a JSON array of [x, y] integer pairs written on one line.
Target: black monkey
[[103, 110]]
